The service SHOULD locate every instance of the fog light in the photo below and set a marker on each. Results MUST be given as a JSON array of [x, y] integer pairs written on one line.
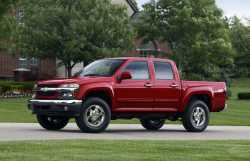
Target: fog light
[[67, 95]]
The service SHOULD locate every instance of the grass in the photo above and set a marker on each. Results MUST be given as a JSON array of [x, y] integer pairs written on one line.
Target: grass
[[100, 150], [15, 110]]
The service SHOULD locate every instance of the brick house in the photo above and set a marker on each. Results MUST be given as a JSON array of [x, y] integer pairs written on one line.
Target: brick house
[[152, 48], [35, 69]]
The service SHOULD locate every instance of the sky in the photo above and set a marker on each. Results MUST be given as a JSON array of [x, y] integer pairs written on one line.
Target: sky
[[240, 8]]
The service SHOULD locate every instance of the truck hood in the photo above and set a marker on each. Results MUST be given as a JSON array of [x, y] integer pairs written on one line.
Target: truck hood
[[80, 81]]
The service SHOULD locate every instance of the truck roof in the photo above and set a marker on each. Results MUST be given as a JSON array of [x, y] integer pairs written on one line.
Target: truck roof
[[143, 58]]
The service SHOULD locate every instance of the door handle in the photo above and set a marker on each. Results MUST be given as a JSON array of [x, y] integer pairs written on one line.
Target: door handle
[[148, 85], [174, 85]]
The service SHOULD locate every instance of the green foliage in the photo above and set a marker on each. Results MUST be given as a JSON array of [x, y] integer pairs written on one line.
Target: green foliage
[[196, 32], [240, 35], [5, 5], [73, 31]]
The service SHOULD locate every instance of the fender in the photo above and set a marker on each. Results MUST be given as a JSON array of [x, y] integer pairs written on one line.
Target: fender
[[102, 86], [189, 92]]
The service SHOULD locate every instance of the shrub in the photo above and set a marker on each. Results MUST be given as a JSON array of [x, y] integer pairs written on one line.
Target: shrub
[[6, 86], [244, 96]]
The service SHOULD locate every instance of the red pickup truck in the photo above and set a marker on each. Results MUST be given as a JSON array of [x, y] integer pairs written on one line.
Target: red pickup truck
[[149, 89]]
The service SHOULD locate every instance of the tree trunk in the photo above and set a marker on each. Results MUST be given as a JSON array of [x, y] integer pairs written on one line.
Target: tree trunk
[[69, 71]]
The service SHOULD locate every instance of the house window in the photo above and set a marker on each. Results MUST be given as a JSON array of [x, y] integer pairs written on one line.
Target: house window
[[23, 63], [34, 61]]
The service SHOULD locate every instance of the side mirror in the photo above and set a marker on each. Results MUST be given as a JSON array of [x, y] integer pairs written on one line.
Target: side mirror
[[125, 75]]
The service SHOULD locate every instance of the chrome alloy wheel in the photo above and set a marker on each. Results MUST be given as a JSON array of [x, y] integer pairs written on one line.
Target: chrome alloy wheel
[[198, 117], [94, 116]]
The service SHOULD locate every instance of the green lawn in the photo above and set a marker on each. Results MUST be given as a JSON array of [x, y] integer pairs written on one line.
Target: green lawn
[[238, 113], [15, 110], [100, 150]]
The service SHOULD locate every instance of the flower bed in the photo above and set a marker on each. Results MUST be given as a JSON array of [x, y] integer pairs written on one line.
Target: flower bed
[[11, 89]]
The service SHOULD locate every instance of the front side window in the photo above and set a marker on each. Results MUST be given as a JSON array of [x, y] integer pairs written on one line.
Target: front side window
[[104, 67], [163, 71], [138, 70]]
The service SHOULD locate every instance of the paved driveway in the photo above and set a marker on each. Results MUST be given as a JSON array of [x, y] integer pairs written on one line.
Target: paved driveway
[[30, 131]]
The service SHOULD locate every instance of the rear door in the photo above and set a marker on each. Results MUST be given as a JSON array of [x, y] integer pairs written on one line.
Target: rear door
[[166, 87], [135, 94]]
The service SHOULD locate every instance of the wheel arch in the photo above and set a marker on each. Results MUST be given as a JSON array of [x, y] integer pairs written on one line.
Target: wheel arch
[[104, 93], [205, 95], [202, 97]]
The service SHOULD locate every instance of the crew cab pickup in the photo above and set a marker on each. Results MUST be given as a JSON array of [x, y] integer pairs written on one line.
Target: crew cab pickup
[[149, 89]]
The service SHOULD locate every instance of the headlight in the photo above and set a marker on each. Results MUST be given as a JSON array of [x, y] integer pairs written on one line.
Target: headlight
[[70, 85]]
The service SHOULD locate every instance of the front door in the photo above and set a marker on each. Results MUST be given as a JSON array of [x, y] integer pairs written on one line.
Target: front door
[[135, 94]]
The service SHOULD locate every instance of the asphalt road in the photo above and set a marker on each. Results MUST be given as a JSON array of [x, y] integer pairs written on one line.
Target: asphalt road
[[30, 131]]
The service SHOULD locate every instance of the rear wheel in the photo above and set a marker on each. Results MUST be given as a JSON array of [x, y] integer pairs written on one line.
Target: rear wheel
[[51, 122], [196, 116], [152, 124], [95, 116]]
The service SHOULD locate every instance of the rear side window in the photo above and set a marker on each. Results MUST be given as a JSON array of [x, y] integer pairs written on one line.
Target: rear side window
[[138, 70], [163, 71]]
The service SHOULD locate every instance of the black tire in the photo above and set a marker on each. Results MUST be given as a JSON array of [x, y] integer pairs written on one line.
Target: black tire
[[94, 124], [52, 123], [196, 122], [152, 124]]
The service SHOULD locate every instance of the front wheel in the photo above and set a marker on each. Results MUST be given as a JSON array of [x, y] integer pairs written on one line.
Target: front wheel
[[196, 116], [95, 116], [152, 124], [51, 122]]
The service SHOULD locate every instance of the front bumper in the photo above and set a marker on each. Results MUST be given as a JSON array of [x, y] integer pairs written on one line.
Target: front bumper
[[69, 108]]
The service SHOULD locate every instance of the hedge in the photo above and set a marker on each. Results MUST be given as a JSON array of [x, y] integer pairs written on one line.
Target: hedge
[[9, 86], [244, 96]]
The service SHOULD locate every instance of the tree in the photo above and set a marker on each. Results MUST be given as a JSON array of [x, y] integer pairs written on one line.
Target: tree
[[73, 30], [195, 31], [240, 35], [5, 6]]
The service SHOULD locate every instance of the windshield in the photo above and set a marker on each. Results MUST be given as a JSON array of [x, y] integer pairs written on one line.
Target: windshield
[[104, 67]]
